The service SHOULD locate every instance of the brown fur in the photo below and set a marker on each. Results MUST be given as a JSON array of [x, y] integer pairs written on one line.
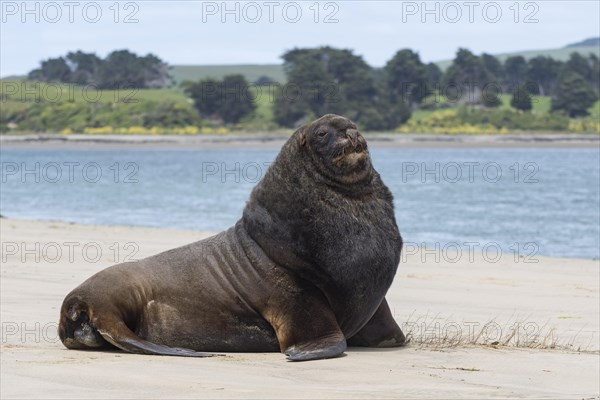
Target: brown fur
[[305, 269]]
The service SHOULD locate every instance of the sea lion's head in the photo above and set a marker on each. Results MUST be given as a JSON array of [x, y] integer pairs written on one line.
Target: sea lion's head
[[337, 148]]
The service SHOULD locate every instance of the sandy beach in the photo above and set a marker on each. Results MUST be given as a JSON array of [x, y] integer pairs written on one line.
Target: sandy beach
[[480, 327]]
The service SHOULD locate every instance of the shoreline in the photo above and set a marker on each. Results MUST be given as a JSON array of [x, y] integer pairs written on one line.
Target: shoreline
[[521, 330], [254, 140], [200, 233]]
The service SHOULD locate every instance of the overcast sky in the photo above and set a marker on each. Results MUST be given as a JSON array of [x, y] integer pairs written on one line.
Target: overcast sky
[[196, 32]]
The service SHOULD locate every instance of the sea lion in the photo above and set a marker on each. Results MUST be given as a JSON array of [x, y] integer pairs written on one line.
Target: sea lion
[[304, 271]]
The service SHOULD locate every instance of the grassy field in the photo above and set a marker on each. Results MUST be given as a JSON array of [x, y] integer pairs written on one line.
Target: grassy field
[[500, 120], [52, 107], [541, 104], [37, 106], [64, 102], [250, 71], [28, 91]]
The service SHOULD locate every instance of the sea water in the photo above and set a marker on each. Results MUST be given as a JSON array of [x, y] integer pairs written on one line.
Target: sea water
[[535, 201]]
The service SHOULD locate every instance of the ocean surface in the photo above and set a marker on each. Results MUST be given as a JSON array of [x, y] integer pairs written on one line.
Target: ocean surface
[[526, 202]]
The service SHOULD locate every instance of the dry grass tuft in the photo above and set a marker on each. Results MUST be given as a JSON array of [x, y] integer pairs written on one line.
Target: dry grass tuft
[[437, 333]]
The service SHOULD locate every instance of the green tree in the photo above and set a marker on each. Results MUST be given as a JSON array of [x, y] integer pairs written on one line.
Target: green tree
[[155, 72], [434, 75], [397, 114], [543, 72], [236, 99], [407, 77], [120, 69], [515, 69], [308, 91], [573, 95], [469, 76], [586, 67], [580, 65], [83, 66], [52, 70], [228, 100], [491, 98], [264, 80], [494, 66], [123, 68], [206, 96], [521, 99], [594, 62]]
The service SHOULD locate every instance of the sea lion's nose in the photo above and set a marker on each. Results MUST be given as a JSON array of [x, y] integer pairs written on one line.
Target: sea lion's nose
[[352, 134]]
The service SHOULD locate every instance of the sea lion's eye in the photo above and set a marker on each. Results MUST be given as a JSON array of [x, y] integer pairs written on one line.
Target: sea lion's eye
[[322, 133]]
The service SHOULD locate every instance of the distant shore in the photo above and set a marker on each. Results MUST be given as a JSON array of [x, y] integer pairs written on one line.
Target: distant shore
[[276, 140]]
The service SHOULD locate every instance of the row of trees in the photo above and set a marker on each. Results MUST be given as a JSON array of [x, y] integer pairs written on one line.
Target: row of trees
[[382, 99], [325, 79], [540, 75], [573, 85], [329, 80], [119, 69]]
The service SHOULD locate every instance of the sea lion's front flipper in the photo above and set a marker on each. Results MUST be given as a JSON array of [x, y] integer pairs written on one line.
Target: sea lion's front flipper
[[119, 335], [306, 327], [316, 349], [381, 330]]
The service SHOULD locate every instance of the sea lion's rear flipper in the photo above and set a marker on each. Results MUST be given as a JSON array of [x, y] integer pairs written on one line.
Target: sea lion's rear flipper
[[122, 337], [381, 330], [306, 327]]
